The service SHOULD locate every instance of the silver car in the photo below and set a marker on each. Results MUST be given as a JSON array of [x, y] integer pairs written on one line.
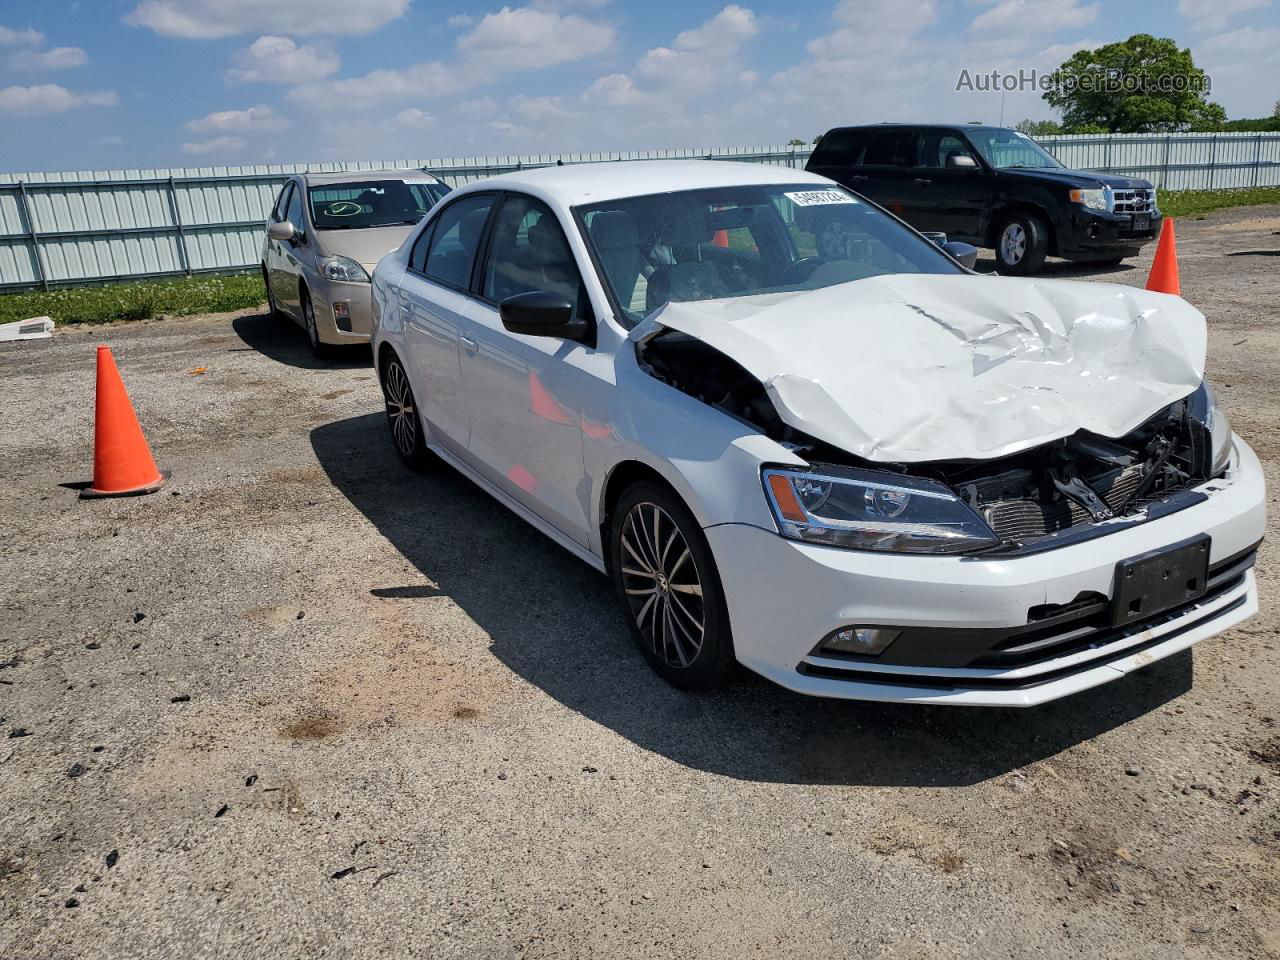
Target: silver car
[[326, 233]]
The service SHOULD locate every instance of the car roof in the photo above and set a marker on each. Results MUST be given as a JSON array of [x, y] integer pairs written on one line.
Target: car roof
[[890, 124], [361, 176], [578, 183]]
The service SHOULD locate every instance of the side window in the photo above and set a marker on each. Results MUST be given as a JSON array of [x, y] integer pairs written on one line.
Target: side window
[[939, 150], [892, 148], [294, 211], [418, 255], [282, 202], [842, 147], [529, 252], [455, 239]]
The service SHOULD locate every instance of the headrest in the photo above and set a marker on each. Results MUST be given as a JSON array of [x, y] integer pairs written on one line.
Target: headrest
[[685, 224], [614, 229]]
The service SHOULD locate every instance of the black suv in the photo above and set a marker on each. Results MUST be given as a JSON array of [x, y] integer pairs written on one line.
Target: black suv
[[992, 187]]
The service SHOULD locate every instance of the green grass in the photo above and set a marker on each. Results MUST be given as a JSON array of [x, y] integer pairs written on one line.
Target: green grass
[[138, 300], [1197, 203]]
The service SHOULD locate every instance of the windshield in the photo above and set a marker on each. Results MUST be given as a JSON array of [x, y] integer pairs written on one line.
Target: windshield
[[375, 203], [1008, 148], [746, 240]]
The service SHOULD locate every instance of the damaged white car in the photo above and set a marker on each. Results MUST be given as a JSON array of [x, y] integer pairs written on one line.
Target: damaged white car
[[800, 436]]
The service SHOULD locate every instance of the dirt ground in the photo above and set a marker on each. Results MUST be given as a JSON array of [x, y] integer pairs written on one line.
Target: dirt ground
[[303, 703]]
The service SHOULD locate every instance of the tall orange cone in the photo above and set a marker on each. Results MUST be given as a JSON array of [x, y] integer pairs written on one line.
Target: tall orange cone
[[1164, 269], [122, 461]]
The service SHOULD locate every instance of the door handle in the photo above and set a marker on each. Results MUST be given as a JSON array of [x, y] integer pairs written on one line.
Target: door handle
[[923, 182], [469, 345]]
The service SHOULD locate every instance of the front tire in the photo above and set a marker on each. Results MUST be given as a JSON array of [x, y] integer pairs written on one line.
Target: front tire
[[272, 310], [403, 419], [1021, 244], [319, 349], [667, 580]]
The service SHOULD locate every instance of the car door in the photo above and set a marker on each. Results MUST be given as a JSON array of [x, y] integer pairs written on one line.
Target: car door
[[293, 253], [525, 392], [958, 186], [273, 257], [434, 297], [888, 165]]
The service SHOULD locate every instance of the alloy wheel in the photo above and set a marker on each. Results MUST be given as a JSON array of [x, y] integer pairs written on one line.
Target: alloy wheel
[[1013, 243], [401, 413], [663, 589]]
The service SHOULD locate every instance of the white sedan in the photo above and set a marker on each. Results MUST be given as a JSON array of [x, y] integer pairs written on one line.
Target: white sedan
[[800, 436]]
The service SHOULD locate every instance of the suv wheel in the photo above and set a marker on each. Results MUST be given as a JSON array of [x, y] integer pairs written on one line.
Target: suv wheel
[[667, 580], [403, 419], [1021, 244]]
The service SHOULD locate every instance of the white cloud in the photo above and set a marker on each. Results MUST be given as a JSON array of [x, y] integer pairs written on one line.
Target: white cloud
[[56, 58], [509, 41], [730, 27], [1235, 60], [460, 20], [215, 145], [271, 59], [259, 119], [50, 98], [1214, 14], [205, 19], [20, 38], [415, 119], [1023, 17], [526, 38]]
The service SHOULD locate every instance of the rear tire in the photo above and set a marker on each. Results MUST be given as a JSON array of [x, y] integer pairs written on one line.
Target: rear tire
[[667, 581], [1021, 245], [403, 419]]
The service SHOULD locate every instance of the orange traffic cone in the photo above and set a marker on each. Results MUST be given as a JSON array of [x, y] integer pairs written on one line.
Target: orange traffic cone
[[1164, 269], [122, 461], [720, 238]]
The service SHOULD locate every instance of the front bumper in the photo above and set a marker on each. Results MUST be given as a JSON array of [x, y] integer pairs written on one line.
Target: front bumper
[[358, 326], [1093, 234], [784, 597]]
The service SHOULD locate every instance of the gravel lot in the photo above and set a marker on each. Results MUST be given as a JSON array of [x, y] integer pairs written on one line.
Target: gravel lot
[[303, 703]]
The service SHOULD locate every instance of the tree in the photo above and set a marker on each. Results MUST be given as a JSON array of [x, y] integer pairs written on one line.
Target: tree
[[797, 142], [1275, 111], [1140, 85], [1038, 128]]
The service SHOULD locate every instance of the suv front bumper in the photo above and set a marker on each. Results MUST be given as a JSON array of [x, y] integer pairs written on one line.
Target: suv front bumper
[[1092, 234], [784, 597]]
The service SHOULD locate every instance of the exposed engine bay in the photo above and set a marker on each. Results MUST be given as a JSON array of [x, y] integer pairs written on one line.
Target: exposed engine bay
[[1084, 478]]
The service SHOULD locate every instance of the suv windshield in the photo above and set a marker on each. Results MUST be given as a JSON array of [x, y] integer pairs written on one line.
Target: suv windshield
[[747, 240], [375, 203], [1009, 148]]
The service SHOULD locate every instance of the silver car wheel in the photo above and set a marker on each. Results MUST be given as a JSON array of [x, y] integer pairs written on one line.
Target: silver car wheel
[[1013, 243], [664, 591], [401, 413]]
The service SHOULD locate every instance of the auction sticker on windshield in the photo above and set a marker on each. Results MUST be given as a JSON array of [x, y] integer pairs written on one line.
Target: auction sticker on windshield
[[816, 198]]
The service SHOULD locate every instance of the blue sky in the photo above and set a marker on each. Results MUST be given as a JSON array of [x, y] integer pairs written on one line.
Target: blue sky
[[109, 84]]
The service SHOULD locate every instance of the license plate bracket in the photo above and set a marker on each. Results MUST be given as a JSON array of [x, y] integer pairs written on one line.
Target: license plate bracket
[[1142, 222], [1151, 583]]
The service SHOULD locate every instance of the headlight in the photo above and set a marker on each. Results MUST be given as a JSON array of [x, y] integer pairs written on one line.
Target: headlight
[[1093, 199], [846, 507], [1219, 433], [343, 268]]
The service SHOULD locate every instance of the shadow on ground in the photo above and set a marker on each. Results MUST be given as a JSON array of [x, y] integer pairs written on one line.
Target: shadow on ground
[[284, 341], [553, 621]]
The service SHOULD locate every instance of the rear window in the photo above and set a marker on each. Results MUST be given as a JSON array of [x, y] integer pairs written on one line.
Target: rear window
[[375, 203], [840, 147]]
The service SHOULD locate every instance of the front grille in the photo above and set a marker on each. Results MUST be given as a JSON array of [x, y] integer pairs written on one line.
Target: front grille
[[1020, 520], [1134, 201]]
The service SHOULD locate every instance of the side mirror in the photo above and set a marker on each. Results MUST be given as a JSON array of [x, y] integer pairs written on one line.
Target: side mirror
[[935, 236], [962, 162], [542, 314], [966, 253], [283, 231]]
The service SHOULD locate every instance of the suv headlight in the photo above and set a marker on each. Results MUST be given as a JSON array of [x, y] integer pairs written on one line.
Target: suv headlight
[[343, 268], [864, 510], [1093, 199]]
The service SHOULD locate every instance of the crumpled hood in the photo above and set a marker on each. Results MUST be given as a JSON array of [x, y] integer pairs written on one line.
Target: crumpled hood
[[910, 367]]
